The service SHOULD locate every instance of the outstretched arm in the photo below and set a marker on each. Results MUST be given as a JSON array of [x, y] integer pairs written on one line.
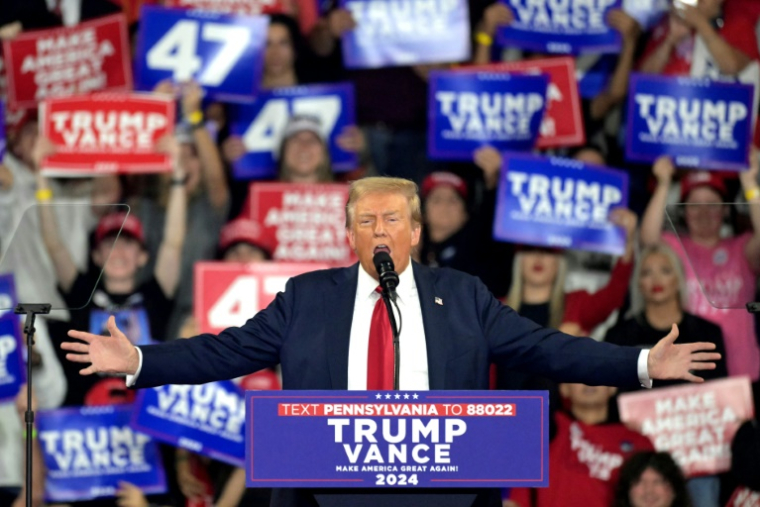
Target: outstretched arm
[[522, 345], [198, 360]]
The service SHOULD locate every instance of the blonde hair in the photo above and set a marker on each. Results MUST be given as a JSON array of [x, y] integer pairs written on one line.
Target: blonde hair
[[557, 299], [384, 185], [637, 298]]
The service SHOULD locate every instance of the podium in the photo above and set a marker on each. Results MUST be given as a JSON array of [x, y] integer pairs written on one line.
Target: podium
[[397, 439]]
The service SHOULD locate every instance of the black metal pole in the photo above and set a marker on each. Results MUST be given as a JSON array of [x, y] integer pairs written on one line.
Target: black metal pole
[[394, 328], [31, 311]]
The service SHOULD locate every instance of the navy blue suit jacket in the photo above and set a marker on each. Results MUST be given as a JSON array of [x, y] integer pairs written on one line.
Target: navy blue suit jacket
[[307, 329]]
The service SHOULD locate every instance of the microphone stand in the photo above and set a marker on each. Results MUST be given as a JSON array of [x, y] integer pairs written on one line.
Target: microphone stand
[[31, 311], [388, 296]]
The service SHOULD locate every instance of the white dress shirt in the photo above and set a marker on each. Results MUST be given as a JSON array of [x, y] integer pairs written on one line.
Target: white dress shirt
[[413, 375]]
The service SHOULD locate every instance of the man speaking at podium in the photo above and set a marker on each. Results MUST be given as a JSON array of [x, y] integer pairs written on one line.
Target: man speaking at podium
[[329, 330]]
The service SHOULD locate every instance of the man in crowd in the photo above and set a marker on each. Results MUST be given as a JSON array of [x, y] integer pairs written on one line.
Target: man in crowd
[[319, 330]]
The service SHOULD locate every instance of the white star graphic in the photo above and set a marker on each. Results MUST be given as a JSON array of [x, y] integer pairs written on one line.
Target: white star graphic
[[406, 396], [398, 396], [378, 396], [387, 396], [415, 396]]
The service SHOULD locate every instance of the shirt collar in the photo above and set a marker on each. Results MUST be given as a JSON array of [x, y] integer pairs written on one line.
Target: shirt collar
[[406, 284]]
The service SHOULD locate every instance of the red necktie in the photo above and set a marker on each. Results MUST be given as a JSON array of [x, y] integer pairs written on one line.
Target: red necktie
[[380, 354]]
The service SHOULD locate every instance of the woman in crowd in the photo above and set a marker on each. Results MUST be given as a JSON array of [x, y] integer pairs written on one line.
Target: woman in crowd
[[538, 284], [651, 479], [725, 267], [658, 300]]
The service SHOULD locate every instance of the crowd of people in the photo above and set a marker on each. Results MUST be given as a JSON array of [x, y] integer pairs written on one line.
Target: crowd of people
[[694, 273]]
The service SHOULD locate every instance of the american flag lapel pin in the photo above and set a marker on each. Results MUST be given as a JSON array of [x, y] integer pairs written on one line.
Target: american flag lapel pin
[[439, 301]]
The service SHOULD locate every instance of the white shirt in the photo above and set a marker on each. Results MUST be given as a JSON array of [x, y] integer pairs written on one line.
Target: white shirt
[[413, 374], [412, 346]]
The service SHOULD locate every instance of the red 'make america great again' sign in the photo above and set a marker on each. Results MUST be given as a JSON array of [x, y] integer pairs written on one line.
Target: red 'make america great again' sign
[[92, 56]]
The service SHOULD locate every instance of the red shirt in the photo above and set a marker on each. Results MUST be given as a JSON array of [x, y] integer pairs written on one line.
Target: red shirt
[[738, 30], [584, 461], [589, 310]]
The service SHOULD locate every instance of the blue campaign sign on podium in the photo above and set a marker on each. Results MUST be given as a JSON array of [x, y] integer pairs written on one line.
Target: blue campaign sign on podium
[[410, 439], [222, 52]]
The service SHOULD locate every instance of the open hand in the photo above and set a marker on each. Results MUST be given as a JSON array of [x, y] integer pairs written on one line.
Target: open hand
[[113, 354], [668, 361]]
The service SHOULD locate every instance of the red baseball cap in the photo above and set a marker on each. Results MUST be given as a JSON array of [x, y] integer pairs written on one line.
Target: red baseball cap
[[109, 391], [112, 223], [242, 230], [694, 179], [438, 179]]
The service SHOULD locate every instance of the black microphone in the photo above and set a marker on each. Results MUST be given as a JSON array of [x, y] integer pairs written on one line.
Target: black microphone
[[386, 272]]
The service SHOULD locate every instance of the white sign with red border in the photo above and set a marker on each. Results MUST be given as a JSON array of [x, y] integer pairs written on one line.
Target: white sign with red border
[[307, 223], [61, 62], [695, 423], [106, 133]]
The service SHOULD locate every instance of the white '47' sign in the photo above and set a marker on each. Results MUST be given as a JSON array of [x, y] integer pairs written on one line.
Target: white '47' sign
[[223, 53]]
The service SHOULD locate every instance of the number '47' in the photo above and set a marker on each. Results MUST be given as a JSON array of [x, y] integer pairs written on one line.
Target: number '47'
[[177, 51]]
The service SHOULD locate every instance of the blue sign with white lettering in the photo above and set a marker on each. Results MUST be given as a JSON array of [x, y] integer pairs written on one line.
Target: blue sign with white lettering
[[467, 110], [561, 26], [554, 202], [12, 364], [7, 294], [88, 451], [207, 419], [698, 122], [222, 52], [261, 125], [406, 32], [408, 439]]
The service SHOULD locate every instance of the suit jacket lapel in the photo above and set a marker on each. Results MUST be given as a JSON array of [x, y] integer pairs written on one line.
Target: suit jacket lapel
[[437, 341], [338, 304]]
